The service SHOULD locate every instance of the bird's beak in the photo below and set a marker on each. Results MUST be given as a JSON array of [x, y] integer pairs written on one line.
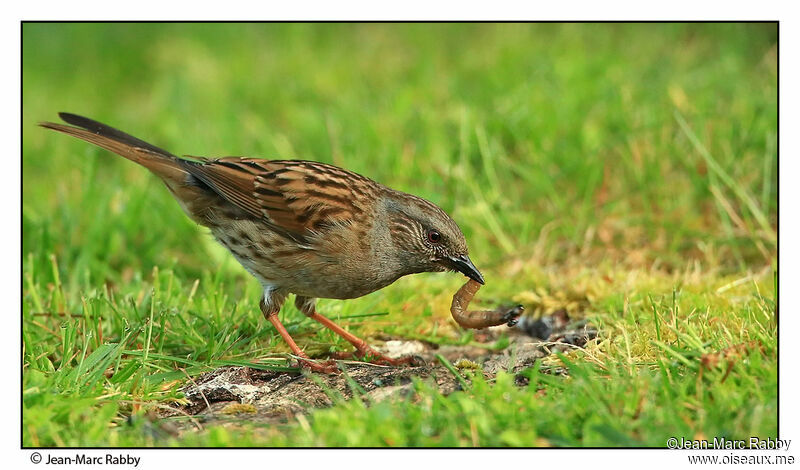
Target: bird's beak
[[464, 265]]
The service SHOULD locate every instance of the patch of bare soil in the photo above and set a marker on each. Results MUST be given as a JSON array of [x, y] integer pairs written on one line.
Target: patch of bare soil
[[241, 393]]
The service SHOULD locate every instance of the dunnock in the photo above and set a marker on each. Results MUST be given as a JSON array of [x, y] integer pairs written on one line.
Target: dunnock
[[300, 227]]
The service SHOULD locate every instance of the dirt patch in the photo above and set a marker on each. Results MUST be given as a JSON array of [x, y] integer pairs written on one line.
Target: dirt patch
[[243, 393]]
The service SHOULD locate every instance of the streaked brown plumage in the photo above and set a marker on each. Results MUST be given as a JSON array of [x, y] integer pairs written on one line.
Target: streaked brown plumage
[[300, 227]]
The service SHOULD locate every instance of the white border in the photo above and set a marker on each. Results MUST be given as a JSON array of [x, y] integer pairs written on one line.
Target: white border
[[418, 10]]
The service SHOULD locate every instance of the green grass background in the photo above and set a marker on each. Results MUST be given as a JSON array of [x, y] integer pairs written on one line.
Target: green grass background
[[627, 172]]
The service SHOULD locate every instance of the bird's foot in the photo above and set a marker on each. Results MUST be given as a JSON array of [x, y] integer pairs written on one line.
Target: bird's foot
[[372, 356], [321, 367]]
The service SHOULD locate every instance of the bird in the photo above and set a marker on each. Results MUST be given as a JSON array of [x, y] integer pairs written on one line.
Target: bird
[[300, 227]]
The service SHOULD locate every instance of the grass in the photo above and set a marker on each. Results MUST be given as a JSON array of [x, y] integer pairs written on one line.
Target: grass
[[626, 172]]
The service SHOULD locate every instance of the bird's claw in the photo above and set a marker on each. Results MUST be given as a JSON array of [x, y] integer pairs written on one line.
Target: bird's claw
[[325, 367], [374, 357]]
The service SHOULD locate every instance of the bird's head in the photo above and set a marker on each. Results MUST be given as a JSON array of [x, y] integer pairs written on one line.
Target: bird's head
[[426, 238]]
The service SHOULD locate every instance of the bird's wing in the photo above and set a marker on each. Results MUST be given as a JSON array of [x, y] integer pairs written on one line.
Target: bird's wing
[[294, 196]]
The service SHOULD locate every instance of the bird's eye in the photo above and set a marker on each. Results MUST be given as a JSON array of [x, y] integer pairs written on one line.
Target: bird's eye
[[434, 236]]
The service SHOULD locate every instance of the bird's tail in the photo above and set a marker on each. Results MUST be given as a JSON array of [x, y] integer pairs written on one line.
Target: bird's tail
[[157, 160]]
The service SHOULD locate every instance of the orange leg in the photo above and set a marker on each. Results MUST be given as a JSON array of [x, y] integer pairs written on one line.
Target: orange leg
[[328, 367], [362, 348]]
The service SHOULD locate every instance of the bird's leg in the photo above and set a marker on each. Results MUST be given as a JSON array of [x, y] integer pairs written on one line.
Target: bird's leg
[[307, 305], [362, 348], [271, 314]]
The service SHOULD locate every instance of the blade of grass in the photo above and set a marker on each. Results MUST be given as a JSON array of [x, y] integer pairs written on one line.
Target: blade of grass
[[448, 366], [740, 192]]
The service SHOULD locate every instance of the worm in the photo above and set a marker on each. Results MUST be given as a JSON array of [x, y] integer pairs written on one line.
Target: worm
[[480, 318]]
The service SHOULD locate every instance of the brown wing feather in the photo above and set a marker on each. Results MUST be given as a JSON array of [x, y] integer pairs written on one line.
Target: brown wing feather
[[228, 180], [299, 197]]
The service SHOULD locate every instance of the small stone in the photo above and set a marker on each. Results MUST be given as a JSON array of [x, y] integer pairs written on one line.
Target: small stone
[[397, 348]]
